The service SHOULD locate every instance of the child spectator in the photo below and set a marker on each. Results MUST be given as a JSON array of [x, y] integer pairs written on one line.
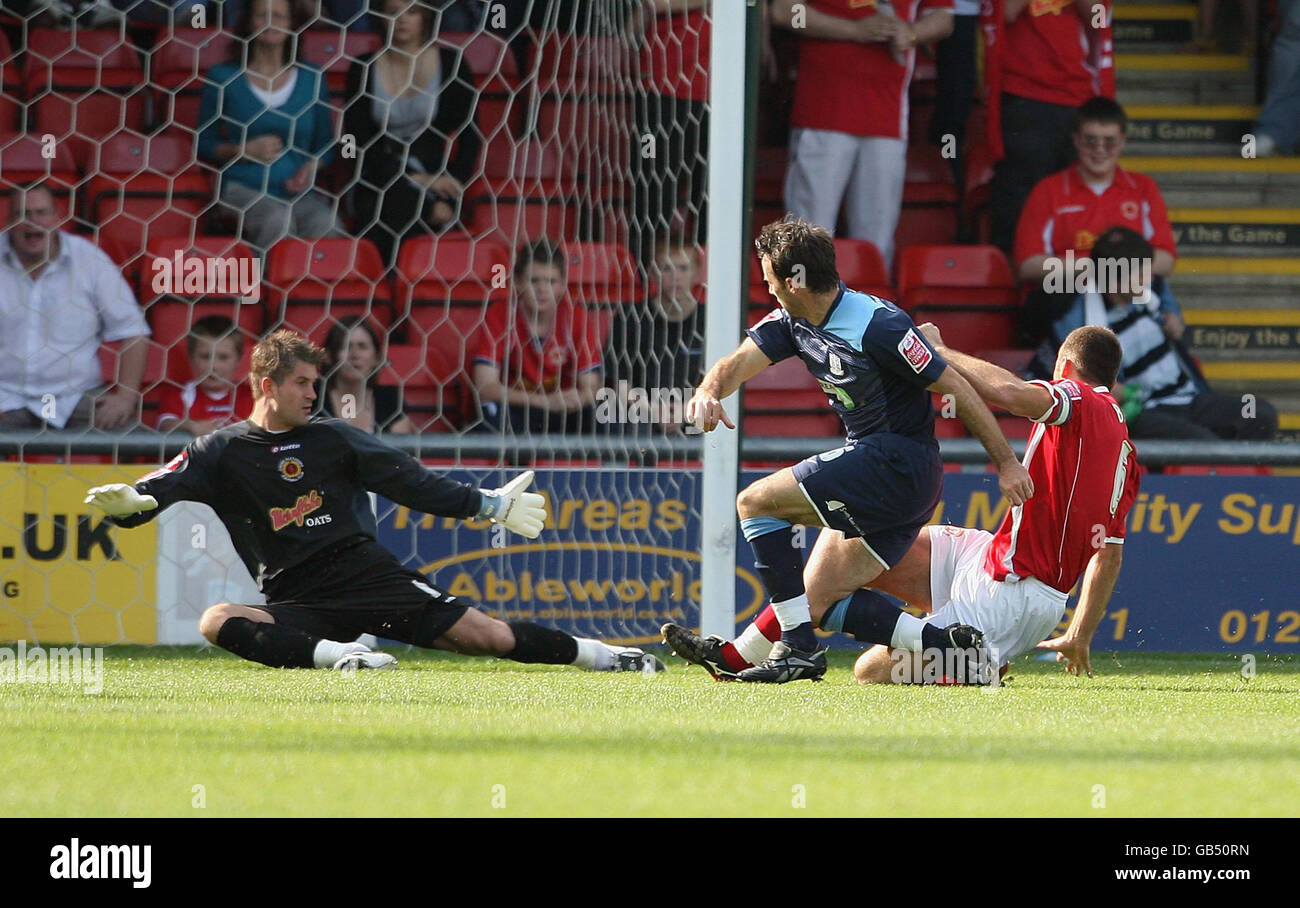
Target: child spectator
[[217, 395], [538, 366]]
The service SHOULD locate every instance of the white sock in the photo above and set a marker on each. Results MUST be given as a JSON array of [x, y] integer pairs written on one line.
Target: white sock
[[328, 652], [593, 655], [752, 645], [907, 633], [792, 612]]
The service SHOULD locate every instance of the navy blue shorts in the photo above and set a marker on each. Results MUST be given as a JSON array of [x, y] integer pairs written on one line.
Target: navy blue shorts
[[881, 489]]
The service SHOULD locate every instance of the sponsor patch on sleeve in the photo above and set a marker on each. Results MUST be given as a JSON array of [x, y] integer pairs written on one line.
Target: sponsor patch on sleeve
[[915, 351], [1069, 387]]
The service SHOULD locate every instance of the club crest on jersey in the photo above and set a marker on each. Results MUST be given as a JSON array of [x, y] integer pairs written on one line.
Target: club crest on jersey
[[836, 366], [290, 469], [282, 517], [915, 351], [1129, 209]]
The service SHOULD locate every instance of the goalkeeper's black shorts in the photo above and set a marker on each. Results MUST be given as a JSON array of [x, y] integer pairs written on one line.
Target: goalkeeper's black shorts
[[362, 589]]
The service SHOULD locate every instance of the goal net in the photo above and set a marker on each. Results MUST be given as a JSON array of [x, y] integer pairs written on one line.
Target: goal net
[[509, 198]]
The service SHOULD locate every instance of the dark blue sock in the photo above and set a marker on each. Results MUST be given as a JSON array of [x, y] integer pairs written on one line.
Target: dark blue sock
[[867, 615], [780, 566]]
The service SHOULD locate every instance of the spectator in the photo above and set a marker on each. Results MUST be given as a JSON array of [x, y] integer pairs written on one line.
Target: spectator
[[411, 111], [848, 142], [1208, 40], [60, 298], [216, 395], [1278, 128], [661, 346], [1162, 394], [265, 121], [354, 358], [672, 108], [1068, 210], [955, 82], [537, 367], [1048, 70]]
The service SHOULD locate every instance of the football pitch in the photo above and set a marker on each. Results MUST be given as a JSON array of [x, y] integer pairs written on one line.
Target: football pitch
[[188, 732]]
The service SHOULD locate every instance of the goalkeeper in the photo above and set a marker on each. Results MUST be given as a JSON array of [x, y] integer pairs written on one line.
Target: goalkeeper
[[291, 490]]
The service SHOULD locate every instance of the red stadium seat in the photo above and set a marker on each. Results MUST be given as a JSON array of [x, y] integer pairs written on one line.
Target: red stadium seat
[[172, 307], [519, 220], [83, 82], [146, 187], [930, 205], [568, 64], [496, 78], [310, 283], [434, 389], [177, 65], [968, 291], [11, 86], [27, 158], [979, 166], [601, 273], [444, 286], [862, 268], [769, 175], [785, 400]]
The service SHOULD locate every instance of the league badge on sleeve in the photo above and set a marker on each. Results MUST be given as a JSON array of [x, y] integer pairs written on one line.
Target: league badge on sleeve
[[915, 351]]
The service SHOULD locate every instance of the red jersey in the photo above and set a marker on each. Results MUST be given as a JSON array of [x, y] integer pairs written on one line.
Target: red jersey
[[1046, 55], [855, 88], [539, 364], [191, 402], [1085, 474], [675, 60], [1063, 213]]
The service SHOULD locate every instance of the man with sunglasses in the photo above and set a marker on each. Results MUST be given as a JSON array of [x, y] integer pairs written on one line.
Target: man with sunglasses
[[1068, 210]]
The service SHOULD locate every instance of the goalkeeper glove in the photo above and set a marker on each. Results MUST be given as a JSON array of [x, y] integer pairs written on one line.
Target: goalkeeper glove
[[120, 500], [512, 507]]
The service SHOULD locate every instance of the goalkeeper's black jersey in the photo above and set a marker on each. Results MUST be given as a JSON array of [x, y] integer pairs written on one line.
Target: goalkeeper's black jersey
[[287, 496]]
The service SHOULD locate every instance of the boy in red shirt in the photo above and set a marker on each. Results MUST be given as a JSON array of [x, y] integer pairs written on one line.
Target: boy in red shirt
[[216, 396], [1056, 55], [538, 367]]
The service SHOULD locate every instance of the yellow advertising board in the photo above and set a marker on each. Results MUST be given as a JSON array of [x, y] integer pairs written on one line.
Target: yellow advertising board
[[66, 574]]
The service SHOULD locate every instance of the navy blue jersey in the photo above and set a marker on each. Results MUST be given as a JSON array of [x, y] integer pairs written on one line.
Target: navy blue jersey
[[869, 359]]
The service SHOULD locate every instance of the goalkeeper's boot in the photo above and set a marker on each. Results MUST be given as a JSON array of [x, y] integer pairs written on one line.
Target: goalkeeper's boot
[[631, 659], [703, 651], [365, 658], [787, 664], [967, 654]]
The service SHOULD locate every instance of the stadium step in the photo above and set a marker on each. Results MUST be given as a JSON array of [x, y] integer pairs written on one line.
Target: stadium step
[[1189, 129], [1246, 232], [1153, 27], [1173, 78], [1243, 335], [1229, 181]]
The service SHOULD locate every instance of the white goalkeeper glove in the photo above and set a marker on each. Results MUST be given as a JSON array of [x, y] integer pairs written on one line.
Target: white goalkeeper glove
[[512, 507], [120, 500]]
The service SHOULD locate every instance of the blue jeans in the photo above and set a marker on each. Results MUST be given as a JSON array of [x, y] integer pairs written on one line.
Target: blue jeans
[[1280, 117]]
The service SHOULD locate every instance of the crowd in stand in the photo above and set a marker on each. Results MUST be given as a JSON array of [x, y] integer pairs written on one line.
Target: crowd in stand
[[269, 126]]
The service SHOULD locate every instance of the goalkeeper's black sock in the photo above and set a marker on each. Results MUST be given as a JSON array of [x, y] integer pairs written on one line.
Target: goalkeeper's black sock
[[534, 643], [275, 645], [867, 615]]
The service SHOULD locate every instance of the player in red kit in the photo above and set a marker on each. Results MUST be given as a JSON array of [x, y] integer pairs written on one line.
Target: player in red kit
[[1012, 585]]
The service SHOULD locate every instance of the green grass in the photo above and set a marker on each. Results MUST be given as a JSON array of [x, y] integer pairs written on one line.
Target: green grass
[[1166, 735]]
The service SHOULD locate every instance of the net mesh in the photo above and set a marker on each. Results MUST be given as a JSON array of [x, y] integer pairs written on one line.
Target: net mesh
[[396, 196]]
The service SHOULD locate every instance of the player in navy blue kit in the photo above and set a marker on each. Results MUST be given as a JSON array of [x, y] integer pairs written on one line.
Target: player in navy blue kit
[[291, 490], [873, 494]]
